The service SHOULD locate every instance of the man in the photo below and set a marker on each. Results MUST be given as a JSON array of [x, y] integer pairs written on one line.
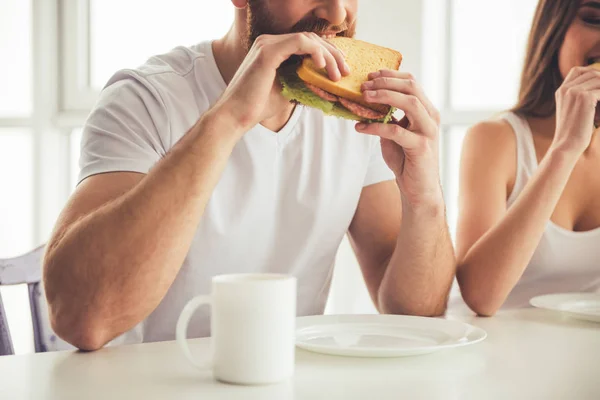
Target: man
[[194, 165]]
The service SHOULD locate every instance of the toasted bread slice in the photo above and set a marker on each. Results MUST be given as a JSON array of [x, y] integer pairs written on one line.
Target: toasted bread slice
[[596, 66], [362, 58]]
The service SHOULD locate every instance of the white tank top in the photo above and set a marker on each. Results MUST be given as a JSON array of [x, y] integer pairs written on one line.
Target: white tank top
[[564, 261]]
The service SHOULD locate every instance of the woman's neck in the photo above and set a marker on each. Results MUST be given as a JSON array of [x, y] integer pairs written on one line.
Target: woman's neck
[[543, 127]]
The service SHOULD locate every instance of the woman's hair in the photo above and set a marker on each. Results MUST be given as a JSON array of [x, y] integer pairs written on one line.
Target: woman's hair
[[541, 75]]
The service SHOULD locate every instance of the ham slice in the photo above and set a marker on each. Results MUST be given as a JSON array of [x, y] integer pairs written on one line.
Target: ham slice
[[360, 110], [355, 108], [321, 93]]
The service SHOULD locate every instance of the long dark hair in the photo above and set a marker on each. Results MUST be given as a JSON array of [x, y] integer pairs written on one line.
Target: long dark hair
[[541, 75]]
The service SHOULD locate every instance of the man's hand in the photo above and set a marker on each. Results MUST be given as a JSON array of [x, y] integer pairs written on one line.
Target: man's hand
[[410, 147], [247, 98]]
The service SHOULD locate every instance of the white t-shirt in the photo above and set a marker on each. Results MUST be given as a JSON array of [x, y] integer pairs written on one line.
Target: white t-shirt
[[283, 204]]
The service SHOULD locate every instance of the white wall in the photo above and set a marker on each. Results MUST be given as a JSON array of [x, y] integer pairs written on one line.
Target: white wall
[[395, 24]]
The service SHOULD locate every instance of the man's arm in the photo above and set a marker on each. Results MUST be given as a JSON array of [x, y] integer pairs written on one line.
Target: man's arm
[[406, 256], [122, 238], [400, 229]]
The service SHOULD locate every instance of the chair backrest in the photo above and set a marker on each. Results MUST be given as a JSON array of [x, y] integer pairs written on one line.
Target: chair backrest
[[27, 269], [6, 347]]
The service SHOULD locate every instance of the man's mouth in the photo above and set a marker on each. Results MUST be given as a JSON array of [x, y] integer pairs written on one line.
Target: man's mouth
[[330, 34]]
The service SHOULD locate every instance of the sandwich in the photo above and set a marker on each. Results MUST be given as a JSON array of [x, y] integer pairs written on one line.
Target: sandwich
[[306, 84]]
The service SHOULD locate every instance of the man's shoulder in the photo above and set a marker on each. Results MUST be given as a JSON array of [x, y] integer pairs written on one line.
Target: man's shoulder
[[167, 72], [169, 91], [177, 63]]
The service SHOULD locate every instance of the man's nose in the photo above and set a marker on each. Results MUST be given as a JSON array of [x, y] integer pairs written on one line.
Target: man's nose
[[333, 11]]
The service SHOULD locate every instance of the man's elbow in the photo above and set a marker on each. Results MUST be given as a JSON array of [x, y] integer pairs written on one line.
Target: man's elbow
[[83, 333], [74, 324]]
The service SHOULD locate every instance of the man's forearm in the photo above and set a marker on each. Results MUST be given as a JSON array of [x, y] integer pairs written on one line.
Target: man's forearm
[[419, 275], [109, 270]]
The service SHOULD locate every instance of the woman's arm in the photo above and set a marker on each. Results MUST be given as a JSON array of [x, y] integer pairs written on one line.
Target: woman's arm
[[495, 245]]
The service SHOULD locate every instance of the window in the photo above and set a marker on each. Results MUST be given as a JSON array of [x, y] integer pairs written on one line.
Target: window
[[16, 157], [101, 37], [120, 39], [16, 201], [15, 69], [487, 50]]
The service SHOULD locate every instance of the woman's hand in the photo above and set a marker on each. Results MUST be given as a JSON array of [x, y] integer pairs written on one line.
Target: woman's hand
[[576, 102]]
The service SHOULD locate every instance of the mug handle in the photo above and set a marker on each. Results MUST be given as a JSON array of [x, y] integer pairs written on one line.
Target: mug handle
[[182, 325]]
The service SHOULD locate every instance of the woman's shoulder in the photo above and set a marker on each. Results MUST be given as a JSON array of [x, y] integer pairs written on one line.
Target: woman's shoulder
[[490, 152], [494, 137]]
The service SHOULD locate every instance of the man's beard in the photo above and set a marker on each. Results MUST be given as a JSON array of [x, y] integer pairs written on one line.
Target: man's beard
[[261, 21]]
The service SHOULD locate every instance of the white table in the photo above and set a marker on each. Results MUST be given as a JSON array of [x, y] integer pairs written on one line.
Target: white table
[[529, 354]]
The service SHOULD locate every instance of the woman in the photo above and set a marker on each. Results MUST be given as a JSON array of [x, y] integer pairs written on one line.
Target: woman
[[530, 181]]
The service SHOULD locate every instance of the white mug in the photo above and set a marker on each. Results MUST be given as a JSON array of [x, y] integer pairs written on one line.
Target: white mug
[[253, 323]]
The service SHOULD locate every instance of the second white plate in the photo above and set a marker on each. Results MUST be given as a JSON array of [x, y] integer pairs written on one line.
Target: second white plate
[[382, 335], [585, 306]]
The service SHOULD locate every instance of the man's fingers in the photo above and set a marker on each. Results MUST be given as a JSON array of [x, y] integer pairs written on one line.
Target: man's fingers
[[275, 49], [391, 74], [319, 58], [405, 86], [314, 45], [412, 106], [338, 55], [394, 132], [403, 82], [333, 70]]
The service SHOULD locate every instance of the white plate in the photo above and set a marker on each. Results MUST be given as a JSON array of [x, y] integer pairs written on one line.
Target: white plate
[[584, 306], [382, 335]]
